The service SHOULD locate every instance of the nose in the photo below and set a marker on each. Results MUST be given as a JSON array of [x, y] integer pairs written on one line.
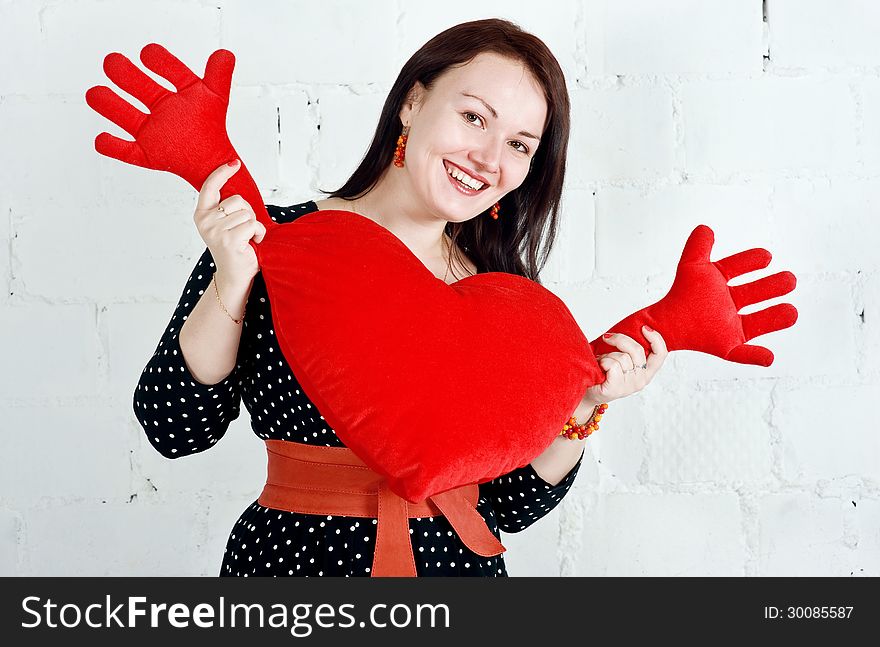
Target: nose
[[486, 158]]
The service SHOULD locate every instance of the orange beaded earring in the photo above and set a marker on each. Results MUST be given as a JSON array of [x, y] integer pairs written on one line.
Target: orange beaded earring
[[400, 151], [495, 209]]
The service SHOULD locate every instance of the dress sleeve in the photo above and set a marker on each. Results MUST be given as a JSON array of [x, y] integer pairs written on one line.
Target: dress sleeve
[[521, 497], [180, 415]]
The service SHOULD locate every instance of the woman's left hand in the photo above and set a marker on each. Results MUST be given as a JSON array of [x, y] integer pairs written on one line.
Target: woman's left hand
[[628, 370]]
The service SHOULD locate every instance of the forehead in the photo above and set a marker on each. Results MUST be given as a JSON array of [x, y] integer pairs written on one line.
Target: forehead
[[505, 84]]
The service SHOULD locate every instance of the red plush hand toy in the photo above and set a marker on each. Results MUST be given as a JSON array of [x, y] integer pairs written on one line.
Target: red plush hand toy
[[700, 310], [185, 132]]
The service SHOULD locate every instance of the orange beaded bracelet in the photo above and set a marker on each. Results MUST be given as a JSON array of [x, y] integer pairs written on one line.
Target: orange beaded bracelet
[[572, 429]]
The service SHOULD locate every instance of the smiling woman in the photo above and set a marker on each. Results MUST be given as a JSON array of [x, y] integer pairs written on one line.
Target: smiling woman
[[484, 104], [476, 126]]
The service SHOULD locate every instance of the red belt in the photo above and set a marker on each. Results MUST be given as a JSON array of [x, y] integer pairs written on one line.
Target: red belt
[[332, 480]]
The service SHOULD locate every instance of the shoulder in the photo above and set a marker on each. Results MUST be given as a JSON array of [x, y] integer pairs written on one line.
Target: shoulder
[[281, 214]]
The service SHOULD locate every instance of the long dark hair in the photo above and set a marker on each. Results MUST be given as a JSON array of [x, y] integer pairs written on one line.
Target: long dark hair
[[530, 213]]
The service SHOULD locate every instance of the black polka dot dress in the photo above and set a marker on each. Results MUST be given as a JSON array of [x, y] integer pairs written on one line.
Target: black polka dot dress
[[181, 416]]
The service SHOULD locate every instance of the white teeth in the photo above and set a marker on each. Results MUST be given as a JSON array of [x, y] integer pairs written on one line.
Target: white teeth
[[464, 178]]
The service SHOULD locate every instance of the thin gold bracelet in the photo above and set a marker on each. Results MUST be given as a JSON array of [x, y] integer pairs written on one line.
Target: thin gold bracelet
[[217, 292]]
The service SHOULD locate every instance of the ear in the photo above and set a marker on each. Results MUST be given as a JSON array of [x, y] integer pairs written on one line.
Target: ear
[[413, 102]]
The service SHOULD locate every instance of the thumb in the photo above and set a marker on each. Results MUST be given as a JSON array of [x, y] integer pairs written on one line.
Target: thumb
[[258, 237], [209, 195]]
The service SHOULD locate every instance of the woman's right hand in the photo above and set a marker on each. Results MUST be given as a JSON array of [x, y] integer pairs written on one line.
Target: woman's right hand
[[227, 232]]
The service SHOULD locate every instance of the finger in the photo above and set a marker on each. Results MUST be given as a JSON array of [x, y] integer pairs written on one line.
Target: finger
[[209, 195], [237, 218], [133, 80], [749, 354], [658, 350], [218, 72], [768, 287], [124, 151], [261, 232], [624, 366], [633, 349], [108, 104], [698, 245], [613, 370], [168, 66], [744, 262], [782, 315], [234, 203]]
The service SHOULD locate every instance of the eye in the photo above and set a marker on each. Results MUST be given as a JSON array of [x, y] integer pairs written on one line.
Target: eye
[[525, 149], [472, 114]]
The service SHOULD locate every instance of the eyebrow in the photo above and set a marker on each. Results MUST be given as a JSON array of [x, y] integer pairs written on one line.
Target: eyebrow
[[495, 114]]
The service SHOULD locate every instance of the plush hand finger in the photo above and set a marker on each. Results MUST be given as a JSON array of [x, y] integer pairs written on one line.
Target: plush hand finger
[[782, 315], [218, 72], [698, 245], [744, 262], [108, 104], [124, 151], [763, 289], [750, 354], [167, 65], [132, 79]]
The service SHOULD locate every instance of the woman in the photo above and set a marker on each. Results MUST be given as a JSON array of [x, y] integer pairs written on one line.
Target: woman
[[466, 169]]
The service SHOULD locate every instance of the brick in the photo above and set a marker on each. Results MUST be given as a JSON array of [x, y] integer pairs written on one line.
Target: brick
[[623, 133], [95, 539], [236, 466], [10, 541], [54, 165], [148, 253], [252, 124], [299, 134], [867, 322], [818, 34], [717, 436], [663, 535], [420, 22], [573, 255], [814, 225], [616, 453], [533, 552], [867, 557], [20, 30], [870, 134], [641, 233], [768, 124], [79, 35], [677, 37], [82, 453], [347, 124], [54, 351], [807, 451], [802, 535], [287, 42]]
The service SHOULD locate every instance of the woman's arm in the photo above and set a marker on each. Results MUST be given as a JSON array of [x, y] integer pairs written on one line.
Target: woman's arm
[[180, 413], [556, 461]]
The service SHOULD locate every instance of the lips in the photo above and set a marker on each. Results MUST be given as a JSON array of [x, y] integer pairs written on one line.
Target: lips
[[464, 187]]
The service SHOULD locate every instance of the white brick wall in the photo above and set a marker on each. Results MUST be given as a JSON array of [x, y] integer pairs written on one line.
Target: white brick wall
[[764, 125]]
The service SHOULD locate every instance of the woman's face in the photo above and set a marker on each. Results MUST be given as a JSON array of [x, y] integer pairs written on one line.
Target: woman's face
[[447, 128]]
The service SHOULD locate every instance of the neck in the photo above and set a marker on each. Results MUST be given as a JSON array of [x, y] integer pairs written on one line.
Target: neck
[[391, 205]]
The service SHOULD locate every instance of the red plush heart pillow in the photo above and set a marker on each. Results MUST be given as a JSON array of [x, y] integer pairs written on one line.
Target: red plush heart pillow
[[432, 385]]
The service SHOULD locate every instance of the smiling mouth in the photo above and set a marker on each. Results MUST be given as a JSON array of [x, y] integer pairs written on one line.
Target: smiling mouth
[[464, 188]]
